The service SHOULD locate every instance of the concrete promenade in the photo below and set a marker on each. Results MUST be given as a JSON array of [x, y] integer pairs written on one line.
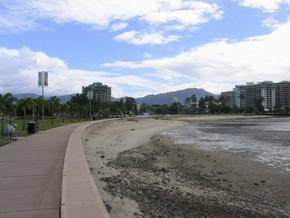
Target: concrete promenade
[[31, 174], [80, 196]]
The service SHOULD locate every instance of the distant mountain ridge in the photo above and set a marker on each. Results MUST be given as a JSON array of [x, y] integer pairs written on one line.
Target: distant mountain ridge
[[63, 98], [66, 98], [26, 95], [162, 98], [171, 97]]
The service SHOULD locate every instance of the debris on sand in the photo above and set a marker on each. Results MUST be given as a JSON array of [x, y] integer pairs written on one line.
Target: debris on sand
[[163, 179], [180, 190]]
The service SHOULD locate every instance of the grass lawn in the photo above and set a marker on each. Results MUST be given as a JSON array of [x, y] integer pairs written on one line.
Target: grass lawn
[[44, 125], [48, 124], [3, 143]]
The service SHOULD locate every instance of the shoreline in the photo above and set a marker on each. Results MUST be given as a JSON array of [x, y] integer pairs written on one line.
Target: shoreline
[[152, 176]]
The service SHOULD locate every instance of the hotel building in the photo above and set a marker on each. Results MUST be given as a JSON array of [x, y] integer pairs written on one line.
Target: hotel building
[[246, 96], [98, 92], [283, 95]]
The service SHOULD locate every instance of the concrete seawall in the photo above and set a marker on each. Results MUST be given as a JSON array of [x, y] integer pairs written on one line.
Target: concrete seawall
[[80, 196]]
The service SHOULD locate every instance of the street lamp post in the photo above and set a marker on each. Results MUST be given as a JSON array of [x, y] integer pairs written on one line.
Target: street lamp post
[[42, 82], [123, 104], [42, 108], [2, 130], [24, 118], [90, 96], [90, 114]]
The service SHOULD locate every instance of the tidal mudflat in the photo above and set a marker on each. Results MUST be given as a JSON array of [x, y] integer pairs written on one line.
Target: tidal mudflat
[[142, 171], [266, 139]]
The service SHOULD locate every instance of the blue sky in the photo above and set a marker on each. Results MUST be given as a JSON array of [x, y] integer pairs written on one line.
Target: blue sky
[[142, 47]]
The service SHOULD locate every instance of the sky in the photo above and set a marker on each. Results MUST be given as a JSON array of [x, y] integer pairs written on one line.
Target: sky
[[141, 47]]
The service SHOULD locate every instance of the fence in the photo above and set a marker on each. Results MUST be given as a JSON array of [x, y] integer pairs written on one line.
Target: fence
[[47, 123]]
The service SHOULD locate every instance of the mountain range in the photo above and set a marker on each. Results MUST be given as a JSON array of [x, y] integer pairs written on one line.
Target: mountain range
[[162, 98], [170, 97]]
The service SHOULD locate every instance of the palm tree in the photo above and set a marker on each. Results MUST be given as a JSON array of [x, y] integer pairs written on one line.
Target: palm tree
[[193, 98], [187, 101], [27, 104], [259, 108], [81, 102], [190, 101], [72, 106], [54, 104], [7, 103], [194, 103]]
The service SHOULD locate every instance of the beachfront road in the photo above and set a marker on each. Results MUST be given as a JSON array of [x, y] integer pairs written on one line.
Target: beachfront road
[[31, 174]]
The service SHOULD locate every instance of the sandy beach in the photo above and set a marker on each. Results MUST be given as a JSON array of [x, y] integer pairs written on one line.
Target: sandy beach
[[141, 173]]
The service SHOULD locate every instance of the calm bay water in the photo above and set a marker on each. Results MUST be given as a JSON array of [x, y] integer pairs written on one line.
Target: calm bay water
[[268, 139]]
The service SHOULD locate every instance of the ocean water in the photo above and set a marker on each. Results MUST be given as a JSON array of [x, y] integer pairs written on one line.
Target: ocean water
[[268, 139]]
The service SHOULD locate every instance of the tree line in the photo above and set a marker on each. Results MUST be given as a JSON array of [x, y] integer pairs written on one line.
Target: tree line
[[203, 105], [78, 106], [191, 105]]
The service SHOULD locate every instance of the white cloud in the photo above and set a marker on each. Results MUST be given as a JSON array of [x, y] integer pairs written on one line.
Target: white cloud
[[271, 23], [265, 5], [19, 67], [118, 26], [14, 18], [148, 55], [141, 38], [24, 14], [222, 63], [180, 27], [188, 13]]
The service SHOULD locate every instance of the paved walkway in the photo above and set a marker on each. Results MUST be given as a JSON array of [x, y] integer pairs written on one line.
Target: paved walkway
[[31, 174]]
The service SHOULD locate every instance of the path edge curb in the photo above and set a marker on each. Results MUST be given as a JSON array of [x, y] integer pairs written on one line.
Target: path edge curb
[[80, 196]]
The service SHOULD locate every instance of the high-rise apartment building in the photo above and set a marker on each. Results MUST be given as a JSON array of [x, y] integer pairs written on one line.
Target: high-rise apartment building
[[240, 96], [283, 95], [228, 98], [98, 92], [247, 96], [268, 94], [232, 98], [265, 90]]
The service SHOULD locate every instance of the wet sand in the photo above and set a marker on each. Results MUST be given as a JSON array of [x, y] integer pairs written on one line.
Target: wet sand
[[141, 173]]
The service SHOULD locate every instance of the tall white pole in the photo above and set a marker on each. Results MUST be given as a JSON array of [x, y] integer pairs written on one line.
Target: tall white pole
[[42, 81], [43, 102], [90, 109]]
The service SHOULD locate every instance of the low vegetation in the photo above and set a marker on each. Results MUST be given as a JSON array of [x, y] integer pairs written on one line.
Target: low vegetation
[[78, 109], [2, 143]]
